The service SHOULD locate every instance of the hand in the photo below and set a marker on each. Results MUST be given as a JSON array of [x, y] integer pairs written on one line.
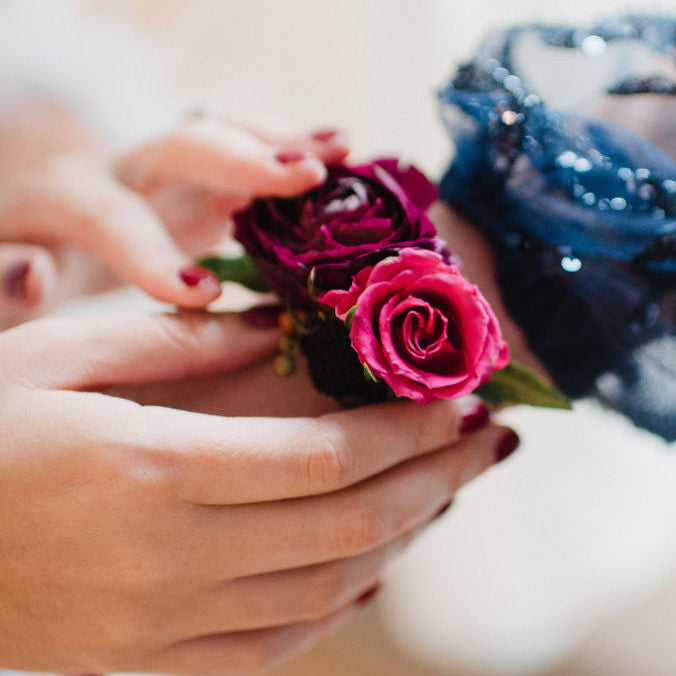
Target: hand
[[148, 215], [151, 539]]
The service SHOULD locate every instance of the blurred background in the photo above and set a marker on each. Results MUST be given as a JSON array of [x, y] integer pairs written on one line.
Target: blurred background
[[560, 562]]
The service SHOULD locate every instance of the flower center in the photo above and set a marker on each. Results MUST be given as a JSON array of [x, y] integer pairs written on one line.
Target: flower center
[[424, 330], [352, 197]]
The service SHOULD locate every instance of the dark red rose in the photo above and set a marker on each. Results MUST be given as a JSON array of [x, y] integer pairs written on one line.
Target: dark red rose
[[357, 217]]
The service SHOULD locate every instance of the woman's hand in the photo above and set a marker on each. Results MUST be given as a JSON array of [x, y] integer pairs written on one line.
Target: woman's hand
[[141, 538], [145, 217]]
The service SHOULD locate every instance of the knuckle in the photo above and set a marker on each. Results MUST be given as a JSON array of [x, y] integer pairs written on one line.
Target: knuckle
[[184, 335], [330, 459], [359, 530]]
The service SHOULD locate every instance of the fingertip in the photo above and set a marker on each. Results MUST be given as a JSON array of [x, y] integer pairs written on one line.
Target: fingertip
[[507, 443], [30, 279], [15, 280], [474, 417], [332, 146], [297, 171], [42, 280], [290, 156], [193, 275], [186, 285], [202, 286]]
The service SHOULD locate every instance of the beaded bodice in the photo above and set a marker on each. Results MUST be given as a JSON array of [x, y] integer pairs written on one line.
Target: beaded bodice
[[580, 210]]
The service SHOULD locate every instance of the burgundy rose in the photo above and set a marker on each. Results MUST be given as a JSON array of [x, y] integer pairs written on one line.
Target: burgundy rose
[[358, 216], [420, 326]]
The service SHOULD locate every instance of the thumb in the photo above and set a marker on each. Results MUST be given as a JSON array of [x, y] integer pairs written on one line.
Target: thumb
[[69, 201], [128, 349]]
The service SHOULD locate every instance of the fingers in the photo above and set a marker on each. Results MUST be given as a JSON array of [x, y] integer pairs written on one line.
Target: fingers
[[243, 653], [72, 202], [91, 352], [329, 144], [222, 157], [28, 280], [285, 597], [360, 519], [321, 454]]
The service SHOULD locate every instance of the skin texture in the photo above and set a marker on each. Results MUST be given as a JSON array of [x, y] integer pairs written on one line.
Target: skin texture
[[173, 534], [64, 211], [186, 542]]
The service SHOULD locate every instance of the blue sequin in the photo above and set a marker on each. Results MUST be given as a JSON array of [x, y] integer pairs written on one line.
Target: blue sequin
[[581, 212]]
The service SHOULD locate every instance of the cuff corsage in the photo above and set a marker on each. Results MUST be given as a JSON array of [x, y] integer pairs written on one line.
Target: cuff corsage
[[373, 298]]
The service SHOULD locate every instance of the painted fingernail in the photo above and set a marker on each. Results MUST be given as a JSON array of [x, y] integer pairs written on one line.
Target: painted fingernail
[[324, 135], [192, 275], [14, 280], [290, 156], [262, 317], [475, 419], [443, 510], [368, 595], [507, 445]]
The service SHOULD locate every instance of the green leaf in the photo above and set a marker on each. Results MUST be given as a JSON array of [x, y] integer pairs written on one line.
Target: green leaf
[[349, 317], [369, 374], [518, 385], [312, 289], [242, 270]]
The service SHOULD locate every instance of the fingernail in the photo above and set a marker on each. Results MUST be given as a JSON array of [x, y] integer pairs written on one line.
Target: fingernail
[[324, 135], [290, 156], [507, 445], [192, 275], [475, 419], [15, 279], [443, 510], [368, 595], [262, 317]]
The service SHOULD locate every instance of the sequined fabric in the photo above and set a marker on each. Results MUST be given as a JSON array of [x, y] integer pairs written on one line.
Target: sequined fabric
[[580, 210]]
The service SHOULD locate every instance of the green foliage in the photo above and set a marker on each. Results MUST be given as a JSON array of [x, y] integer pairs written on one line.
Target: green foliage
[[368, 374], [349, 318], [516, 384], [241, 270]]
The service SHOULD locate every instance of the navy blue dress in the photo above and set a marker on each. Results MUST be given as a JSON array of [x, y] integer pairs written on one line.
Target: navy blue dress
[[580, 211]]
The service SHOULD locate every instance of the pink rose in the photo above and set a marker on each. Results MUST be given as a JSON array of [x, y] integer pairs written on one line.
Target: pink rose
[[420, 326]]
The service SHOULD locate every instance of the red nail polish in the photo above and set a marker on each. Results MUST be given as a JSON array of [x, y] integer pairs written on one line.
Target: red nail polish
[[507, 445], [443, 510], [368, 595], [475, 420], [290, 156], [14, 280], [324, 135], [192, 275], [262, 317]]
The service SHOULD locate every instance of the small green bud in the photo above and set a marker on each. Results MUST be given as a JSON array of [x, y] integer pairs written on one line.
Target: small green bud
[[284, 365]]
